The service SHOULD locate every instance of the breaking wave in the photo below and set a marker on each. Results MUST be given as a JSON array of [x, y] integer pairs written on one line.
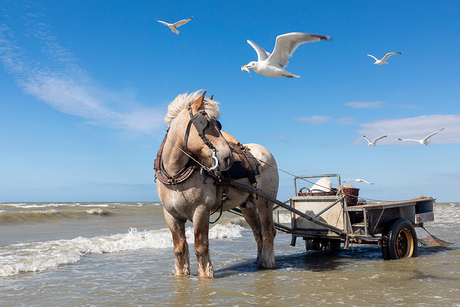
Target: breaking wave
[[40, 256]]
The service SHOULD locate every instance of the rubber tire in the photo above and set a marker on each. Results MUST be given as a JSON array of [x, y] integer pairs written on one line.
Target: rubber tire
[[402, 240], [333, 245], [311, 245], [322, 245]]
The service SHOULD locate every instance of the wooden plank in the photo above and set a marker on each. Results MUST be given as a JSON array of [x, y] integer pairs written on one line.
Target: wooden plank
[[387, 205]]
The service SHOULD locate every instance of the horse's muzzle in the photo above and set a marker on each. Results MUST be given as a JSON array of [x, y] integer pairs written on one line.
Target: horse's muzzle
[[228, 161], [224, 162]]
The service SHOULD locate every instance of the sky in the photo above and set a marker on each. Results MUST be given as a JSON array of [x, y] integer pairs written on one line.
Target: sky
[[85, 85]]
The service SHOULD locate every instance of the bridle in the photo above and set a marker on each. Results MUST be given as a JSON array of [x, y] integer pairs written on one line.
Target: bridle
[[200, 122]]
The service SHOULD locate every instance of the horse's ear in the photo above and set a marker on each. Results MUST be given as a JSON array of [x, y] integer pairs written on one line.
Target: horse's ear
[[212, 96], [198, 104]]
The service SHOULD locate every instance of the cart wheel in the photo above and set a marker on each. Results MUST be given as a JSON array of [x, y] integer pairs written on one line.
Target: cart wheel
[[311, 245], [402, 240], [322, 245], [334, 245]]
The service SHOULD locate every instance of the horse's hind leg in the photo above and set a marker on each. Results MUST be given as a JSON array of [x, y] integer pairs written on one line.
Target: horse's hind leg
[[201, 230], [251, 217], [265, 209], [182, 258]]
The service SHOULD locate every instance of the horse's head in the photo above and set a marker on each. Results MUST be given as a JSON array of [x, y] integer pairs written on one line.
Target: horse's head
[[197, 126]]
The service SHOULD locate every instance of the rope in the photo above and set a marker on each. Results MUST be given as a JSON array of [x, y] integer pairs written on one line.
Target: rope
[[198, 162], [304, 179], [279, 169]]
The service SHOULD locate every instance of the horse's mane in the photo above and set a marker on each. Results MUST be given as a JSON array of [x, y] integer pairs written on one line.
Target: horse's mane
[[182, 101]]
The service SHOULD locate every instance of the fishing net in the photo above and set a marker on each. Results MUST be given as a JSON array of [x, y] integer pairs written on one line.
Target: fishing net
[[432, 240]]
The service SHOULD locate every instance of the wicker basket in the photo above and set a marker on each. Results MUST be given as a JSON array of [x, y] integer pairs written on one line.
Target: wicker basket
[[352, 195], [310, 193]]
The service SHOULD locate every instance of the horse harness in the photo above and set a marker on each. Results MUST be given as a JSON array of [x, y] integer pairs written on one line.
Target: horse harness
[[245, 165], [200, 122]]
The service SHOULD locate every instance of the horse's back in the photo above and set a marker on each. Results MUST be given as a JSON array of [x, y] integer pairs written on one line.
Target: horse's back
[[268, 179]]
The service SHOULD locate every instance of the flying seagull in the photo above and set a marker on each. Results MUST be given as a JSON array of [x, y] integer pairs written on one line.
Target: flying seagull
[[382, 61], [174, 26], [373, 143], [358, 180], [272, 65], [422, 141]]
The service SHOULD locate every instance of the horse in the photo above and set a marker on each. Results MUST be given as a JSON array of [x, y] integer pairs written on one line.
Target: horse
[[189, 170]]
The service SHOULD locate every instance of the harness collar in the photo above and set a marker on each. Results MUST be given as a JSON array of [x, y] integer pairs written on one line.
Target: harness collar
[[180, 176]]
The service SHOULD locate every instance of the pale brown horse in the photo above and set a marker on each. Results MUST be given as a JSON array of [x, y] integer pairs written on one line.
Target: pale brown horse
[[192, 190]]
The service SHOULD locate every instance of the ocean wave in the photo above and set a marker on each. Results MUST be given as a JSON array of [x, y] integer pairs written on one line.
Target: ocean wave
[[41, 256], [45, 215], [98, 211], [445, 214], [44, 205], [77, 204]]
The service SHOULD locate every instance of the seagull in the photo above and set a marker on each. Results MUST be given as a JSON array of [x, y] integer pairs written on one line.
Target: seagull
[[373, 143], [382, 61], [174, 26], [422, 141], [358, 180], [272, 65]]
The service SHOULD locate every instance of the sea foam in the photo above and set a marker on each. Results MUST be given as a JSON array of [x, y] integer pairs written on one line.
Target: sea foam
[[40, 256]]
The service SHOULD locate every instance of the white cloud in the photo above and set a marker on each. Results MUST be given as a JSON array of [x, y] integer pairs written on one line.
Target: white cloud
[[53, 77], [365, 105], [323, 119], [415, 128], [346, 121], [314, 119]]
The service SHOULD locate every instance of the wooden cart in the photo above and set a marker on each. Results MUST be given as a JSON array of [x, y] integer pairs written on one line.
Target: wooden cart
[[326, 222]]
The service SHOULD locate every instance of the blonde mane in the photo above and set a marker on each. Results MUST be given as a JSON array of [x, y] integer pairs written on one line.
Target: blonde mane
[[182, 101]]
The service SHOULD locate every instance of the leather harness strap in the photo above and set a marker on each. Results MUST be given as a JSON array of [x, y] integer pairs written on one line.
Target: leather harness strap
[[244, 161], [180, 176], [200, 122]]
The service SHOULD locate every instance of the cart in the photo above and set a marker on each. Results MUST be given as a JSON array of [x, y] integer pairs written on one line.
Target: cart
[[326, 222]]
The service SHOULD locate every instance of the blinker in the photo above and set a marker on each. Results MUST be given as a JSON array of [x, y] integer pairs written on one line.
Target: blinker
[[200, 122]]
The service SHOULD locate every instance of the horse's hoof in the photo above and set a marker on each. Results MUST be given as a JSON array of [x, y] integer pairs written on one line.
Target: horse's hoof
[[266, 264]]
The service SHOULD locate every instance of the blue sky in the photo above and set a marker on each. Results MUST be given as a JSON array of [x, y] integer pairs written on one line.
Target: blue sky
[[84, 87]]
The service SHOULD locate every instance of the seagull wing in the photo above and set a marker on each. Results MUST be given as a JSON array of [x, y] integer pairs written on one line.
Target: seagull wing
[[262, 55], [379, 138], [367, 181], [409, 140], [433, 134], [162, 22], [182, 22], [367, 139], [389, 54], [286, 44], [372, 56]]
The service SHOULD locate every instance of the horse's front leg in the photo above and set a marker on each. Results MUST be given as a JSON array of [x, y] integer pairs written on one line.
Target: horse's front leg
[[201, 230], [182, 257]]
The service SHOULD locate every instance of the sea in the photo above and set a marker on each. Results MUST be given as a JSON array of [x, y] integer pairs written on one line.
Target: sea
[[121, 254]]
